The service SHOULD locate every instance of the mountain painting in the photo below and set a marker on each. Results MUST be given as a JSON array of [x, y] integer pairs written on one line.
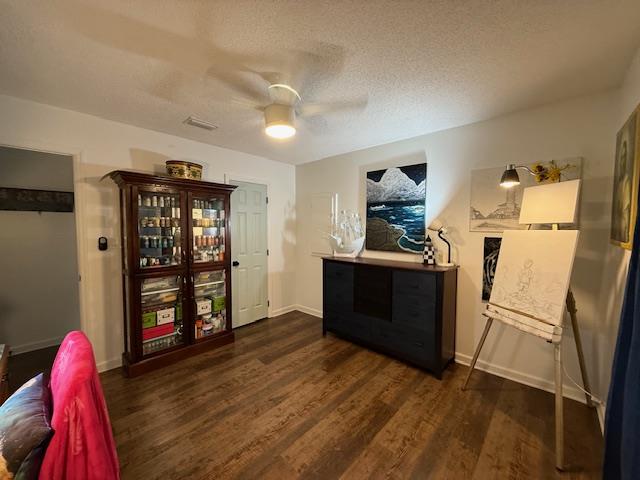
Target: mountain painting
[[396, 199]]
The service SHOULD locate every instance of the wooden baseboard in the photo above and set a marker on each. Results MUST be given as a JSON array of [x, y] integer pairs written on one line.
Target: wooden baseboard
[[37, 345], [308, 310], [569, 390]]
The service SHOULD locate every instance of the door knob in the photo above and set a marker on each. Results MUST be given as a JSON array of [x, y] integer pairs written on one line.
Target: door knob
[[235, 263]]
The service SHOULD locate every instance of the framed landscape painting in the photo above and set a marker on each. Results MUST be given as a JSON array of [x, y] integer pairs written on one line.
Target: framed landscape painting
[[625, 182], [396, 201]]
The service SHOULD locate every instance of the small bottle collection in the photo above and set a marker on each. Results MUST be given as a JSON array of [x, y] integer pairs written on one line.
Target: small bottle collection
[[159, 229], [211, 312], [209, 230]]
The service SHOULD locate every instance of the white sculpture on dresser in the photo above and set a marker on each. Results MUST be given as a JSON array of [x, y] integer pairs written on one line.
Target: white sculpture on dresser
[[347, 235]]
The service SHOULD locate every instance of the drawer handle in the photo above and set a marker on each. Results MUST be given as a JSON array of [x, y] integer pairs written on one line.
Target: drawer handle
[[419, 344]]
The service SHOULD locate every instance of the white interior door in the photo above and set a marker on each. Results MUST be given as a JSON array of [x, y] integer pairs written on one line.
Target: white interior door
[[248, 253]]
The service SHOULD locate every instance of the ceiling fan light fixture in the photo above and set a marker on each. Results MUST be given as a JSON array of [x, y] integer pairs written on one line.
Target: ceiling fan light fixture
[[279, 121]]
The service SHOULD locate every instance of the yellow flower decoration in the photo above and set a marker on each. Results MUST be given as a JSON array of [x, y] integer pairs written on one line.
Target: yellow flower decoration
[[549, 172]]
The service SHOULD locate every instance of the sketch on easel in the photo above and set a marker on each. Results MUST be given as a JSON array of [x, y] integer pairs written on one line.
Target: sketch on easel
[[533, 273], [495, 209]]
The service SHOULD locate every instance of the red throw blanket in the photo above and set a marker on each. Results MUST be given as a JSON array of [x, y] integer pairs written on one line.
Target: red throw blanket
[[82, 447]]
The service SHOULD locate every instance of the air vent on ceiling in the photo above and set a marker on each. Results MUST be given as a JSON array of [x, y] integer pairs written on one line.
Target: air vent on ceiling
[[196, 122]]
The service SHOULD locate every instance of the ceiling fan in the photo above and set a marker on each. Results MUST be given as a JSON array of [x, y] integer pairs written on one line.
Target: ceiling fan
[[190, 58], [286, 105], [280, 115]]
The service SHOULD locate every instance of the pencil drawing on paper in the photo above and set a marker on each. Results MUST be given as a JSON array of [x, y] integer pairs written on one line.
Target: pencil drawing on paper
[[533, 272], [530, 290]]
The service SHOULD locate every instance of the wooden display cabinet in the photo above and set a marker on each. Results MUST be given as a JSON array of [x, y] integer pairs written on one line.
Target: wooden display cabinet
[[176, 268]]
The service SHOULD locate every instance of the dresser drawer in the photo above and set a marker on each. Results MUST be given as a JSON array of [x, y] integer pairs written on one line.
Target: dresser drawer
[[337, 272], [354, 325], [414, 311], [339, 300], [414, 284], [407, 342]]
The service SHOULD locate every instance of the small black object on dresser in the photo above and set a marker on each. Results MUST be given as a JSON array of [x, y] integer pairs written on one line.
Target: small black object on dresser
[[404, 309]]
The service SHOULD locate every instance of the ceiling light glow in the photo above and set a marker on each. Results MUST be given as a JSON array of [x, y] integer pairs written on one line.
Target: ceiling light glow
[[279, 121], [280, 131]]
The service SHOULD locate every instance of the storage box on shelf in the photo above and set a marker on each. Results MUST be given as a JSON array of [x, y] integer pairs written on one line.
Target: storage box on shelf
[[175, 268]]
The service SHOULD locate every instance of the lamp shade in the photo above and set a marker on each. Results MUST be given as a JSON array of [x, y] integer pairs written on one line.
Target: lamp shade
[[279, 121], [510, 177], [435, 225]]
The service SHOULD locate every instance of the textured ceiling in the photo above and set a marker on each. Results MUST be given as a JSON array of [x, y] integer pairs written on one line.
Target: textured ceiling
[[369, 71]]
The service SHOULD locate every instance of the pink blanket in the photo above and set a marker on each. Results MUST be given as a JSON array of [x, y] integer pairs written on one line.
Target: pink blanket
[[82, 447]]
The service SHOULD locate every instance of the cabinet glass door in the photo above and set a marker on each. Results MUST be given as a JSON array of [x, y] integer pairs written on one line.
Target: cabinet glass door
[[161, 313], [210, 294], [159, 232], [208, 224]]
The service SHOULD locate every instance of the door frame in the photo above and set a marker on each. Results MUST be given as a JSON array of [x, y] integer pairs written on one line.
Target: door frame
[[77, 154], [239, 177]]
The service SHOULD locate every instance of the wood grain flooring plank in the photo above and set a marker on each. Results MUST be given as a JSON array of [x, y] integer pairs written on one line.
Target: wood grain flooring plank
[[395, 450], [211, 414], [283, 402], [332, 444]]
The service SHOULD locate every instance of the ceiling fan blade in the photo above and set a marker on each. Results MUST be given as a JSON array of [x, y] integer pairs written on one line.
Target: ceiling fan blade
[[191, 55], [317, 109], [316, 125], [308, 71], [247, 105], [168, 87], [235, 78]]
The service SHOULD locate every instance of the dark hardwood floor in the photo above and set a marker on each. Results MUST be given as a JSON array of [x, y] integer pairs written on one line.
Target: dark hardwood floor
[[283, 402]]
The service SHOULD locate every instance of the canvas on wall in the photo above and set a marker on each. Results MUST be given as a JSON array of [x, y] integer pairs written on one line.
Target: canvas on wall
[[625, 182], [490, 260], [396, 201], [533, 273], [495, 209]]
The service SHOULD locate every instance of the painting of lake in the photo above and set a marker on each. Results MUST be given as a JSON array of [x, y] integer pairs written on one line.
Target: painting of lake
[[396, 199]]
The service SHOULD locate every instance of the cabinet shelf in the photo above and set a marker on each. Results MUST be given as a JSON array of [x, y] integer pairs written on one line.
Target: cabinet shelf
[[155, 292], [209, 284], [160, 337]]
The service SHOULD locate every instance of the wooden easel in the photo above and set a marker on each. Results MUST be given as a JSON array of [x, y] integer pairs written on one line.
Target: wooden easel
[[557, 343]]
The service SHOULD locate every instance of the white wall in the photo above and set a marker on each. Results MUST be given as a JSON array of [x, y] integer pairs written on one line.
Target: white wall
[[616, 259], [583, 127], [101, 146], [39, 300]]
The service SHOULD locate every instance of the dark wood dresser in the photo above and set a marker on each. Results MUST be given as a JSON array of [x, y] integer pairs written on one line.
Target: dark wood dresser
[[405, 309]]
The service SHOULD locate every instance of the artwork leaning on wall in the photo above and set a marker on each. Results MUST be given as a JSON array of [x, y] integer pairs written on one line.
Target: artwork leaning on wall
[[396, 204], [491, 252], [625, 182], [496, 209]]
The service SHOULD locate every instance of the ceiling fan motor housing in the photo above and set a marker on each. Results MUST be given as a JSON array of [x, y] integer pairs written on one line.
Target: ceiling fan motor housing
[[278, 114]]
